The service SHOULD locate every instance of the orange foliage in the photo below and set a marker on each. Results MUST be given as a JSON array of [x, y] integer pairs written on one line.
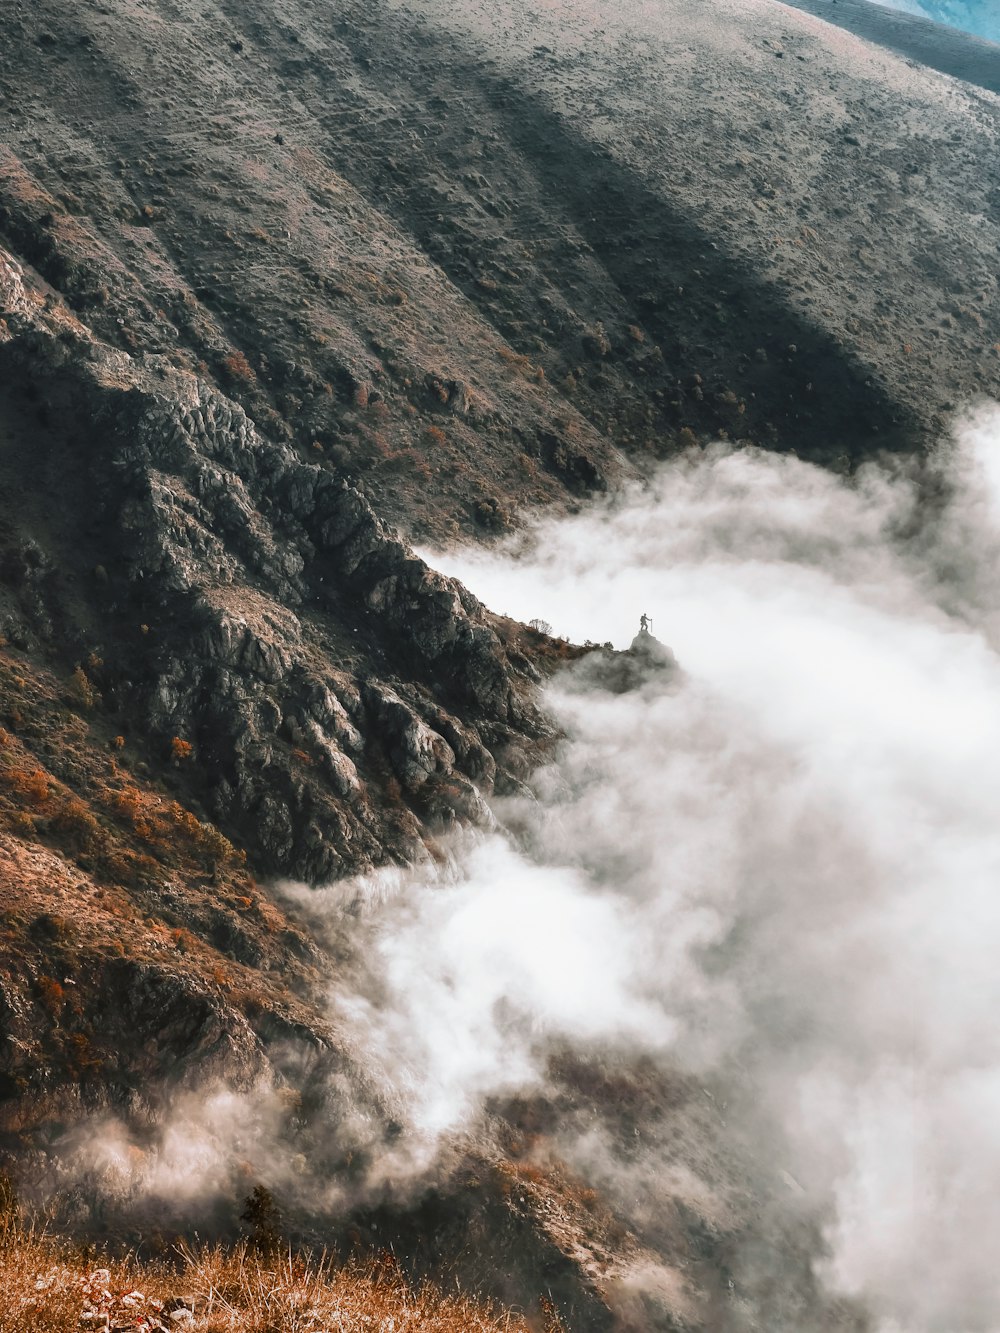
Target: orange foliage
[[51, 995], [239, 368], [83, 1059], [29, 785]]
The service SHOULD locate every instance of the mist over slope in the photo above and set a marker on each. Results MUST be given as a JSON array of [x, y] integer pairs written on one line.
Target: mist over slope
[[286, 288], [750, 902], [782, 860]]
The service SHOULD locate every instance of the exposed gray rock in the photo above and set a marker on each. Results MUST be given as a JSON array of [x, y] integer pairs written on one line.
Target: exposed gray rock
[[415, 750], [256, 602]]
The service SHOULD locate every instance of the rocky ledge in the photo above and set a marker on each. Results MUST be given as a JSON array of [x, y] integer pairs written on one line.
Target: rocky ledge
[[243, 610]]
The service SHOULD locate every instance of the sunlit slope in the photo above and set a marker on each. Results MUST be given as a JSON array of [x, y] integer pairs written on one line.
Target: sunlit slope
[[979, 17], [857, 186], [914, 34], [278, 281], [606, 225]]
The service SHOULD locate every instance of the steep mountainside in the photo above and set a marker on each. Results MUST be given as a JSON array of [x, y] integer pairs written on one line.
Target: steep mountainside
[[285, 286], [979, 17], [936, 35], [289, 275]]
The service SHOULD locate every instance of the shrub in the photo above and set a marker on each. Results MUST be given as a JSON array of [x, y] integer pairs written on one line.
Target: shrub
[[51, 995], [51, 926], [491, 514], [263, 1216], [238, 368], [29, 785], [75, 824], [180, 750], [81, 1056], [22, 824], [522, 364], [215, 844], [596, 342], [81, 692]]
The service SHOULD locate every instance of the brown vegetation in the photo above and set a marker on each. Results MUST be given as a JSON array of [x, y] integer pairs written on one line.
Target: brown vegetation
[[45, 1286], [84, 842], [238, 368], [88, 804]]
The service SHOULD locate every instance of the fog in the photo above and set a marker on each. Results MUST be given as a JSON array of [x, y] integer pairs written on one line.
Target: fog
[[772, 870], [778, 864]]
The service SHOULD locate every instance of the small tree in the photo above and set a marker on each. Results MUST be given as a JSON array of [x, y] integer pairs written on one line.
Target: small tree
[[263, 1216], [540, 626], [238, 368], [81, 692], [180, 750]]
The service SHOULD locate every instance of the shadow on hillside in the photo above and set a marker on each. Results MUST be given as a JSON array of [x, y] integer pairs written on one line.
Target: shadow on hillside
[[736, 355]]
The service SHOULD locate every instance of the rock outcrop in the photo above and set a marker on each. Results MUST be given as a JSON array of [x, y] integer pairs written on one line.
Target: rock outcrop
[[252, 606]]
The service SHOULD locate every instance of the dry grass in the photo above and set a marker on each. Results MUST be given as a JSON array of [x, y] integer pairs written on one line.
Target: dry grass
[[45, 1286], [295, 1295]]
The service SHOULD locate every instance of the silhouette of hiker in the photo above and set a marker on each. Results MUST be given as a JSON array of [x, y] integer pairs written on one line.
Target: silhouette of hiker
[[644, 623]]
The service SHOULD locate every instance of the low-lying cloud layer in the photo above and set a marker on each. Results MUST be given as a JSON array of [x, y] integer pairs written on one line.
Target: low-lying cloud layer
[[785, 862], [775, 871]]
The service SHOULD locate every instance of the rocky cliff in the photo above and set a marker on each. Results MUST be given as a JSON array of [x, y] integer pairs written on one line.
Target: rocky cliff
[[285, 289], [248, 608]]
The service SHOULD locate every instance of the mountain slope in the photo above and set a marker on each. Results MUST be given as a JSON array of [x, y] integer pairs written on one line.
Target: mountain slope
[[457, 277], [943, 37], [284, 286], [978, 17]]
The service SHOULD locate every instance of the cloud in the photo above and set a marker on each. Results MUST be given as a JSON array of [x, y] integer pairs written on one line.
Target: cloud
[[772, 874], [784, 864]]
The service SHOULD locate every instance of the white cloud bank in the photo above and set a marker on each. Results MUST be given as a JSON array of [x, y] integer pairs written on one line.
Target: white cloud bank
[[779, 870], [787, 862]]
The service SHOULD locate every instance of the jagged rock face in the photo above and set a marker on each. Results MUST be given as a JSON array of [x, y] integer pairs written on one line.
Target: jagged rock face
[[283, 286], [293, 318], [255, 607]]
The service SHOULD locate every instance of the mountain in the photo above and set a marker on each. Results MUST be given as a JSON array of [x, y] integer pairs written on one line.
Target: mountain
[[980, 17], [911, 30], [287, 290]]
